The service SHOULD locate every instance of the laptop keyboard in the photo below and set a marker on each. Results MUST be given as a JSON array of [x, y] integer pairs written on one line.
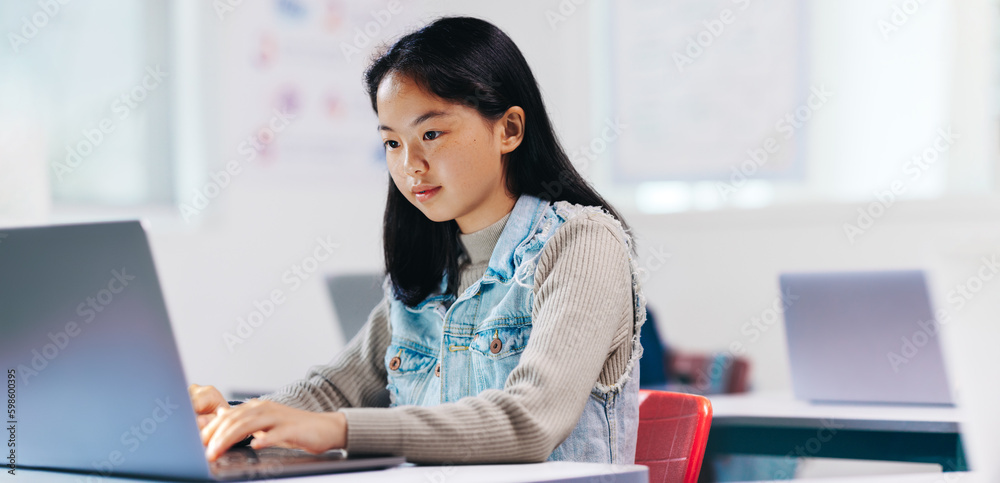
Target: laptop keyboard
[[267, 462]]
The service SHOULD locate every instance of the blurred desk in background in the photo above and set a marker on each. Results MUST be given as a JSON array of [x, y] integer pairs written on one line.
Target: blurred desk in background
[[776, 424]]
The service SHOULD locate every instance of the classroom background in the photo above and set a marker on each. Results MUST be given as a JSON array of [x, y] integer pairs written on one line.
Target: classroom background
[[740, 139]]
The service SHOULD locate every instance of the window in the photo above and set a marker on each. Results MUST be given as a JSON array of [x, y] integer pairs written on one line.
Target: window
[[85, 92]]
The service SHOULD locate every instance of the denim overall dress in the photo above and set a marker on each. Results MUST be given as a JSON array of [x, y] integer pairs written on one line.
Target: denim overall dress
[[447, 348]]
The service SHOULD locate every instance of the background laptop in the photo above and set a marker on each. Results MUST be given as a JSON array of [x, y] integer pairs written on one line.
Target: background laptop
[[98, 382], [354, 296], [863, 337]]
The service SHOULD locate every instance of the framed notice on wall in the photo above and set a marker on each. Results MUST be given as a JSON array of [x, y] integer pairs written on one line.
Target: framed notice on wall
[[709, 87]]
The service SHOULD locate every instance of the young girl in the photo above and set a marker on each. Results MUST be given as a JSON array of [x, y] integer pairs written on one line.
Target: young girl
[[509, 330]]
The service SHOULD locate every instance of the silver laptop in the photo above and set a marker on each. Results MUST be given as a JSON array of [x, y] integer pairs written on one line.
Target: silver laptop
[[95, 382], [863, 337], [353, 297]]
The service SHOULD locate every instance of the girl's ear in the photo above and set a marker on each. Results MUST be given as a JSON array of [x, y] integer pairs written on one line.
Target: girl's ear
[[511, 129]]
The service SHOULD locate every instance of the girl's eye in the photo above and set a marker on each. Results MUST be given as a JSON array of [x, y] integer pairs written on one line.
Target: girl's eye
[[391, 144], [431, 135]]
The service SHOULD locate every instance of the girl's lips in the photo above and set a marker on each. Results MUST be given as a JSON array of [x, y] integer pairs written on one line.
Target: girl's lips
[[426, 195]]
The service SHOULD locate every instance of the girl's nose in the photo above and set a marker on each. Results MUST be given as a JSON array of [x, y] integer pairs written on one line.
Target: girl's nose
[[414, 162]]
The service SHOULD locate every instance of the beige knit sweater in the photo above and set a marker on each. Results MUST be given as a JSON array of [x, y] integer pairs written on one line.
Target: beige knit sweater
[[582, 328]]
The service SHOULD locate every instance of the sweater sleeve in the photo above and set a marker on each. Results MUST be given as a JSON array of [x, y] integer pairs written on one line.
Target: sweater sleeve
[[583, 293], [356, 377]]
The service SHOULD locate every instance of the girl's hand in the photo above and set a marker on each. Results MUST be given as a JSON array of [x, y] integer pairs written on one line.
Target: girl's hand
[[206, 400], [273, 424]]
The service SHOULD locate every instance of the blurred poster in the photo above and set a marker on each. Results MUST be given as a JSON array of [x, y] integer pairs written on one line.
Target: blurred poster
[[292, 80]]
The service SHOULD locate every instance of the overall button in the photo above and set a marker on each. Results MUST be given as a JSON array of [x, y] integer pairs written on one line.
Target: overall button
[[437, 370], [496, 345], [394, 363]]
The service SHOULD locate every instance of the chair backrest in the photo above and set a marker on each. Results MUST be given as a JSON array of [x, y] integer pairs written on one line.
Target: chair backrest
[[673, 432]]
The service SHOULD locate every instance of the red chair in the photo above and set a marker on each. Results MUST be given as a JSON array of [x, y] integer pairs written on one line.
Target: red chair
[[673, 432]]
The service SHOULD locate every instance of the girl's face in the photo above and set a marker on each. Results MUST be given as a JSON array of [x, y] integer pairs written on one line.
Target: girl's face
[[450, 149]]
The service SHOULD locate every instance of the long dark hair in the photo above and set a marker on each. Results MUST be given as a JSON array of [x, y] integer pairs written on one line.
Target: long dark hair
[[470, 61]]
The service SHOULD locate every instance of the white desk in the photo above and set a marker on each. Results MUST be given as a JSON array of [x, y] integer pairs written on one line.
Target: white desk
[[548, 472], [776, 424]]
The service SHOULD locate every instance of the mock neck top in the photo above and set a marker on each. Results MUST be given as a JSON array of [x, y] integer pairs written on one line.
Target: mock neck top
[[479, 245]]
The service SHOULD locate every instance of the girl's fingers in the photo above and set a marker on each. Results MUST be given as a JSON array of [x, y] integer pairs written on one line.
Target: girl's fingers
[[204, 419], [222, 417], [237, 425], [209, 429], [271, 425], [260, 440], [278, 435], [305, 431], [205, 399]]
